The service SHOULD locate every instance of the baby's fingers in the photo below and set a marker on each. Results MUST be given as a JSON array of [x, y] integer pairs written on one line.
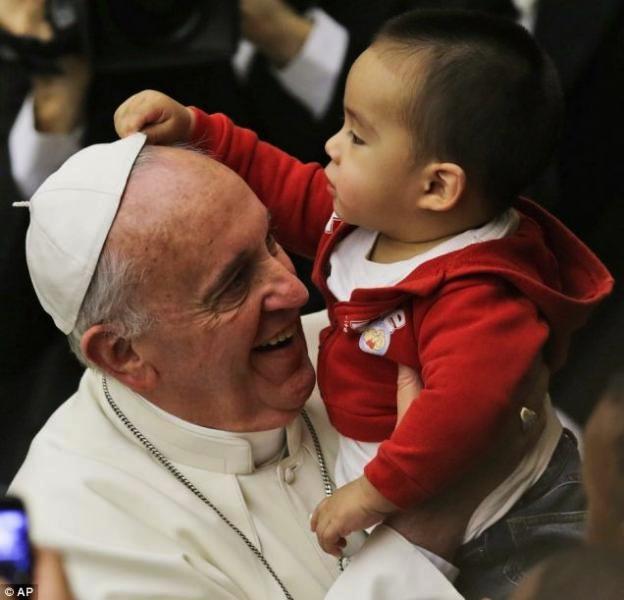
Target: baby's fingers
[[160, 117], [330, 539], [322, 515], [335, 549], [137, 111], [314, 519]]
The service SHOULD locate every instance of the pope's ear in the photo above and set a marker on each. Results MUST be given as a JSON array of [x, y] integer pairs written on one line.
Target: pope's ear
[[444, 184], [116, 356]]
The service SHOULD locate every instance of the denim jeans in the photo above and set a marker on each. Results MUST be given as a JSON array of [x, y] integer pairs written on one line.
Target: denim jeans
[[550, 516]]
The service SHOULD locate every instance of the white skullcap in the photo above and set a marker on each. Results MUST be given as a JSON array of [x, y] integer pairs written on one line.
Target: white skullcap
[[70, 217]]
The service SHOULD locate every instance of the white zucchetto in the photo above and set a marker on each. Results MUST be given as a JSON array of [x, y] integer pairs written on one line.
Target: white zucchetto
[[70, 216]]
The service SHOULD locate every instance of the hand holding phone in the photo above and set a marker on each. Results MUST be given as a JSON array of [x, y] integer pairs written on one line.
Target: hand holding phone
[[15, 550], [20, 564]]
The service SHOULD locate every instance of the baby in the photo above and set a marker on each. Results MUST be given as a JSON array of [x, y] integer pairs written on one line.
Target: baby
[[425, 254]]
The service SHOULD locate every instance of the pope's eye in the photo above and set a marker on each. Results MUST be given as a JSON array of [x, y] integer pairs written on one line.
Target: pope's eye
[[239, 283], [234, 292]]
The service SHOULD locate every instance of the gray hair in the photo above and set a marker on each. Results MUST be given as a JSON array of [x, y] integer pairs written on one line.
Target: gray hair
[[110, 300]]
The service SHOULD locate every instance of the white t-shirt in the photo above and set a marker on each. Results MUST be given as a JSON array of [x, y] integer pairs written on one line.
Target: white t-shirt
[[351, 268]]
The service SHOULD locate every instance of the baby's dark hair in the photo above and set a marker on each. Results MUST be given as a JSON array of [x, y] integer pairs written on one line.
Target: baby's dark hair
[[490, 100]]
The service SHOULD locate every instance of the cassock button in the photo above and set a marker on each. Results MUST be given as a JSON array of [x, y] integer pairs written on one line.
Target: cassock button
[[289, 475]]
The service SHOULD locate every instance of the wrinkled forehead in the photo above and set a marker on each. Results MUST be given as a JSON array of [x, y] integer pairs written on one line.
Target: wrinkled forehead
[[183, 214], [173, 186]]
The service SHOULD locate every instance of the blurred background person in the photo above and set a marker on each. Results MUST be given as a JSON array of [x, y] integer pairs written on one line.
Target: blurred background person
[[603, 468], [578, 574], [595, 569]]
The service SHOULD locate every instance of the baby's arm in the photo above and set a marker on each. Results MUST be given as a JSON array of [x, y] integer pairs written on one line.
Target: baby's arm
[[439, 524], [477, 343]]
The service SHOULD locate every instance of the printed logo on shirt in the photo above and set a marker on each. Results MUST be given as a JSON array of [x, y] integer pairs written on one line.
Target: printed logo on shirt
[[376, 337]]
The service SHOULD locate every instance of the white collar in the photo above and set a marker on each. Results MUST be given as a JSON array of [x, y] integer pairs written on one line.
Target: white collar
[[182, 442], [265, 445]]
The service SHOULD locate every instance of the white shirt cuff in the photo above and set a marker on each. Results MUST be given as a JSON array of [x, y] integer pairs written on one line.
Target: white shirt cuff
[[313, 74], [528, 13], [388, 566], [35, 155]]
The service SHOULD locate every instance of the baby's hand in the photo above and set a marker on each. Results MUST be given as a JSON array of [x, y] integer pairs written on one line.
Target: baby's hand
[[160, 117], [352, 507]]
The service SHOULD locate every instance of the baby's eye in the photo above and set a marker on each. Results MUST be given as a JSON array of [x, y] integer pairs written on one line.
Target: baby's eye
[[355, 139]]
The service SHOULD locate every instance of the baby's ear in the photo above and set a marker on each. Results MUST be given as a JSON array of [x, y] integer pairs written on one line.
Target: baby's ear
[[443, 186]]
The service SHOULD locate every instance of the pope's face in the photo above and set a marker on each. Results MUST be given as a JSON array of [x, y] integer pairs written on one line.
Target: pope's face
[[227, 346]]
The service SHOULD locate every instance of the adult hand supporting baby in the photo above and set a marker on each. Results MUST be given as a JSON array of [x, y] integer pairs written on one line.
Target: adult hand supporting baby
[[440, 523]]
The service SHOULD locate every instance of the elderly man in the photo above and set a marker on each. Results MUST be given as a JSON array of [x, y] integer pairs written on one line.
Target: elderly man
[[184, 467]]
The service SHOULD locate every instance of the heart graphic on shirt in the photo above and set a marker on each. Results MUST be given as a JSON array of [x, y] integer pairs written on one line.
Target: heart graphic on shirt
[[374, 340]]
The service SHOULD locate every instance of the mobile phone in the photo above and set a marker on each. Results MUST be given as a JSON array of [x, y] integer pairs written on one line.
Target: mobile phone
[[16, 557]]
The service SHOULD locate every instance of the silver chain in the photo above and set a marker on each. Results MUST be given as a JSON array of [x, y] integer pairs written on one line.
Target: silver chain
[[165, 462]]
